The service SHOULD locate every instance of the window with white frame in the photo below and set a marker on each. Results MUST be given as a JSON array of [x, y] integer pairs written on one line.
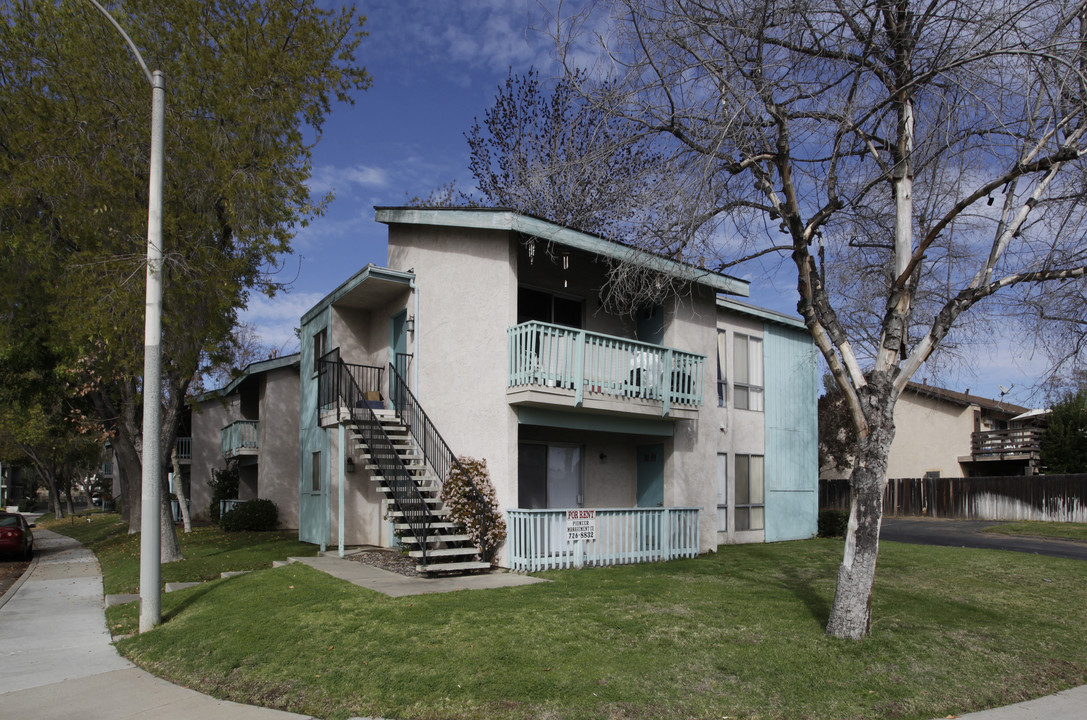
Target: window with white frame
[[749, 492], [747, 372], [722, 363]]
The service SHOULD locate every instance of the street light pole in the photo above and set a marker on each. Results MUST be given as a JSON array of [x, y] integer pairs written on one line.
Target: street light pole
[[151, 487], [150, 542]]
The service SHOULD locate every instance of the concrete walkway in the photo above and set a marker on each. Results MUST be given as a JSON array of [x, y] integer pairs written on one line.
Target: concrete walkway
[[396, 585], [57, 660]]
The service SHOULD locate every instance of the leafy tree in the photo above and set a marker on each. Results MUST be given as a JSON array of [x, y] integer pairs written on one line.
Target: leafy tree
[[1064, 441], [248, 86], [909, 161]]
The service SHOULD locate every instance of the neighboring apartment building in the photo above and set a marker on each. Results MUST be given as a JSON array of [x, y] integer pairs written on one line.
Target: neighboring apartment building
[[253, 421], [689, 425], [942, 433]]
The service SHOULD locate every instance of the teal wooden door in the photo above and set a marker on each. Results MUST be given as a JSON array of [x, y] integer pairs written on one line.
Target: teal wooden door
[[314, 521], [651, 475]]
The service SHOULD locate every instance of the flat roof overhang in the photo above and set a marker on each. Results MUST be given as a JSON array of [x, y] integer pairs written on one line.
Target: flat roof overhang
[[509, 220]]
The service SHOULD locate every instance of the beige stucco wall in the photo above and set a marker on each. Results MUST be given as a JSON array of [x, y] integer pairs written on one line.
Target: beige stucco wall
[[208, 419], [690, 325], [930, 435], [363, 506], [277, 469], [466, 301]]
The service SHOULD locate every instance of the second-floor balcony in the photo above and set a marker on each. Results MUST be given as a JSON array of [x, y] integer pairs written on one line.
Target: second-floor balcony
[[184, 449], [1005, 444], [556, 365], [239, 438]]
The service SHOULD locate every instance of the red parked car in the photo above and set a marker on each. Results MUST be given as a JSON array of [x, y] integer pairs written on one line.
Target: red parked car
[[15, 535]]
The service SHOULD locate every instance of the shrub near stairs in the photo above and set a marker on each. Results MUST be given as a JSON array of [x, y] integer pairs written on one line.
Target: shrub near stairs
[[254, 516], [485, 526]]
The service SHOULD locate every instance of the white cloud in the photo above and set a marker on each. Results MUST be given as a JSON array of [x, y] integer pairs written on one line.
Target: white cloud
[[343, 179], [491, 34], [275, 319]]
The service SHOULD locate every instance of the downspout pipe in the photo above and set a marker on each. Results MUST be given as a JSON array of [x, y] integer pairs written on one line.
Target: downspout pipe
[[415, 338]]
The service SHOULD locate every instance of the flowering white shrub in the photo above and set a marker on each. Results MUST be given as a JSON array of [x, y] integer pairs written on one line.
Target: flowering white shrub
[[476, 509]]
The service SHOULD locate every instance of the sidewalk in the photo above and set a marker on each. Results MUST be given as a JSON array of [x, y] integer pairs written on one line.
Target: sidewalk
[[57, 661]]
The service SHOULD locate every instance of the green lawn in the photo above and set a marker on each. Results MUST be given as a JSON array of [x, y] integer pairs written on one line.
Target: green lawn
[[208, 551], [736, 634], [1058, 530]]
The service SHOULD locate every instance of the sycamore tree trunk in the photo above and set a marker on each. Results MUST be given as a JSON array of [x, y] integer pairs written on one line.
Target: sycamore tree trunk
[[179, 490], [169, 547], [54, 496], [131, 472], [68, 503], [851, 612]]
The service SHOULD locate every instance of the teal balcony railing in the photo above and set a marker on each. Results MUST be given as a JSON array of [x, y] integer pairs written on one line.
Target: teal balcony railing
[[588, 363], [241, 437]]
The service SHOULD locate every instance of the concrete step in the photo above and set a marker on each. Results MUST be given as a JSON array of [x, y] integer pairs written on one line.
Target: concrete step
[[453, 566], [435, 539], [445, 552], [428, 500], [433, 526]]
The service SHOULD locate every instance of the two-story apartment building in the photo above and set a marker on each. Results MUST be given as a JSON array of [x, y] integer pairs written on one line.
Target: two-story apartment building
[[253, 422], [941, 433], [689, 424]]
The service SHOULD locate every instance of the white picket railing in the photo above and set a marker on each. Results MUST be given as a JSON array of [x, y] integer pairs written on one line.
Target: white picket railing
[[226, 506], [554, 356], [537, 539]]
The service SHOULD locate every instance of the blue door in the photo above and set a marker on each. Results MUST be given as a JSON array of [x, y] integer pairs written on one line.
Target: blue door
[[651, 475]]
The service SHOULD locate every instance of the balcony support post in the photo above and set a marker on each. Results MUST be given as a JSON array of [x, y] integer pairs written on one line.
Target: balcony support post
[[666, 381], [579, 369]]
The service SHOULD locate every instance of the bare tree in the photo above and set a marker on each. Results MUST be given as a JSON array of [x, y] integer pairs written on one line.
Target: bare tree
[[912, 160], [544, 149]]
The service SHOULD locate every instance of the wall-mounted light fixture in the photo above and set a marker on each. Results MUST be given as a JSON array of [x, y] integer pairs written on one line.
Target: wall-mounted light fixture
[[349, 465], [411, 323]]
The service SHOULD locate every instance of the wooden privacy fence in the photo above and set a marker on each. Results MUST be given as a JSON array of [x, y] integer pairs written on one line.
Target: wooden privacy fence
[[1057, 498], [538, 539]]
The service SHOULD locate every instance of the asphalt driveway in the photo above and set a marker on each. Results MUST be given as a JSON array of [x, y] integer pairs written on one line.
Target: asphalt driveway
[[968, 533]]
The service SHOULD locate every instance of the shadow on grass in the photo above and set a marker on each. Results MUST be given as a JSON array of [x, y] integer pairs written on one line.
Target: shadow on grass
[[193, 596], [800, 584]]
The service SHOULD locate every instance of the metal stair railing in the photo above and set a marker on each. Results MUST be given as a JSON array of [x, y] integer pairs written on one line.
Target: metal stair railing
[[436, 451], [337, 386]]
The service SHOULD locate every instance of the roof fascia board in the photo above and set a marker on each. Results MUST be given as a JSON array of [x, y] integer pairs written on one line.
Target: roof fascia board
[[496, 219], [761, 313], [368, 272], [261, 366]]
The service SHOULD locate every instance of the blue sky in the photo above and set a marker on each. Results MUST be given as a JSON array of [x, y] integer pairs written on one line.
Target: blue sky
[[436, 66]]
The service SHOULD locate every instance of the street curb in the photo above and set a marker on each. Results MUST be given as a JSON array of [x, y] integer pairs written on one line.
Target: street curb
[[19, 583]]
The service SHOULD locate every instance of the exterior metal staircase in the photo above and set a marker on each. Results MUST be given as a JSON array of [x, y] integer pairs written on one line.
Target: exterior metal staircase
[[407, 459], [445, 547]]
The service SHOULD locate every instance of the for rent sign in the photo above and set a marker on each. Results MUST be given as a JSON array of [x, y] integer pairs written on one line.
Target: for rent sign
[[580, 525]]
